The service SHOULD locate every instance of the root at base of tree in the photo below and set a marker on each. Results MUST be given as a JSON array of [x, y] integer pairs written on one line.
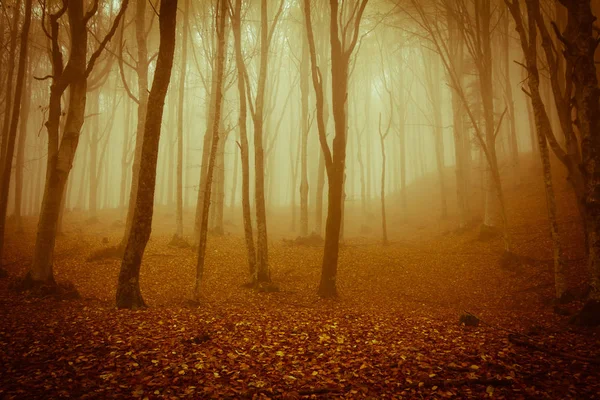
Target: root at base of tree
[[266, 287], [179, 242], [44, 289]]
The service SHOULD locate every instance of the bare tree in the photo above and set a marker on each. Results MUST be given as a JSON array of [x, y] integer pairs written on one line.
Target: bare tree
[[221, 18], [141, 69], [241, 85], [335, 158], [128, 289], [529, 44], [382, 136], [262, 273], [61, 148], [180, 107]]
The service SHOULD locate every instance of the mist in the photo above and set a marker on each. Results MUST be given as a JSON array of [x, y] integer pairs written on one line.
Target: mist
[[361, 181]]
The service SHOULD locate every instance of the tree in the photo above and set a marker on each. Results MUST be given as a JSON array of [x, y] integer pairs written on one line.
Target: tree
[[6, 168], [304, 130], [528, 40], [141, 69], [476, 30], [236, 17], [62, 148], [180, 94], [335, 158], [580, 46], [128, 289], [221, 19], [262, 273], [382, 136]]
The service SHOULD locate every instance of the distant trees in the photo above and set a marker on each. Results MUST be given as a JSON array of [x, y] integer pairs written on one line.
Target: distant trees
[[474, 22], [128, 289], [9, 139]]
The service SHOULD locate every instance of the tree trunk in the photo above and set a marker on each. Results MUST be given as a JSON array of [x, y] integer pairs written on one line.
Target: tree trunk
[[382, 137], [94, 139], [543, 127], [241, 83], [218, 77], [180, 94], [125, 157], [514, 147], [142, 80], [581, 45], [20, 159], [128, 289], [304, 135]]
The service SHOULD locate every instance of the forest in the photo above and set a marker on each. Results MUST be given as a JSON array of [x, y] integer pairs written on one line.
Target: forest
[[285, 199]]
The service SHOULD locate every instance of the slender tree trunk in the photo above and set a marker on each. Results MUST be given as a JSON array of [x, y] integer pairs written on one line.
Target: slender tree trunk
[[125, 157], [181, 92], [128, 289], [20, 160], [142, 80], [244, 148], [543, 127], [382, 137], [304, 135], [218, 76], [263, 274], [514, 147], [93, 143], [234, 185]]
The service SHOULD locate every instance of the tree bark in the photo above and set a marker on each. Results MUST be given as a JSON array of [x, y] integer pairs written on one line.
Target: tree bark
[[181, 105], [542, 123], [581, 46], [241, 85], [128, 289], [142, 80], [20, 159], [304, 135], [218, 77]]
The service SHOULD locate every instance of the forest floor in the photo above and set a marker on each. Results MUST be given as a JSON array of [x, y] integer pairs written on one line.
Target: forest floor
[[394, 331]]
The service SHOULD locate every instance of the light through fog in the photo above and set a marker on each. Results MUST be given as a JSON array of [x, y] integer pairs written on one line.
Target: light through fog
[[362, 180]]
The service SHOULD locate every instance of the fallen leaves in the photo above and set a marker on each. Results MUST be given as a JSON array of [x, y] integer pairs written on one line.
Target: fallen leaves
[[394, 333]]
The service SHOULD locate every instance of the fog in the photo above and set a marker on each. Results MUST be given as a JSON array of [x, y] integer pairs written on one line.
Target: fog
[[393, 55], [299, 198]]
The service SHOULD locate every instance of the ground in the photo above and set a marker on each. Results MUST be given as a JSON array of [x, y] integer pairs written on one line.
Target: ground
[[394, 332]]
